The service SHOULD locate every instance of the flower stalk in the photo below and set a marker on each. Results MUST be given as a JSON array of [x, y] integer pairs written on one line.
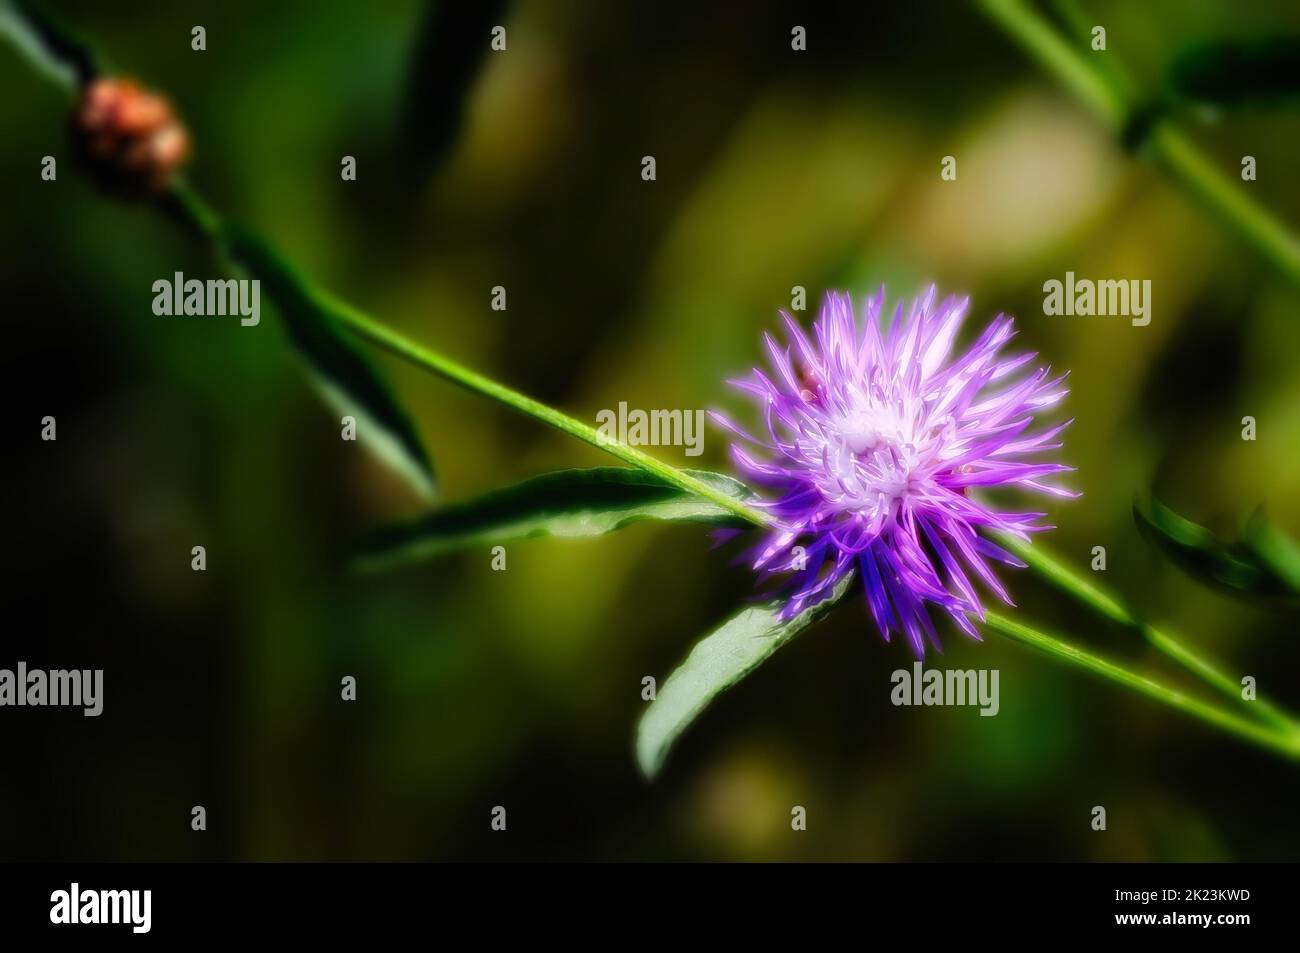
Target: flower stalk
[[1281, 741], [1110, 607]]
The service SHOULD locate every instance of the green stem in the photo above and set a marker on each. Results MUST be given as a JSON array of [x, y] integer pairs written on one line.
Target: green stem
[[1284, 742], [1270, 238], [385, 338], [1078, 28], [1170, 148], [1056, 55], [187, 205], [1110, 607]]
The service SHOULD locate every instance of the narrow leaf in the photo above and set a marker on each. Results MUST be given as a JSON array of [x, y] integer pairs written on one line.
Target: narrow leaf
[[1194, 548], [1228, 73], [718, 661], [1276, 551], [346, 377], [566, 503], [1259, 565]]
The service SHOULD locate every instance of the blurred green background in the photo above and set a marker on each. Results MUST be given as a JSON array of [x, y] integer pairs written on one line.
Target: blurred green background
[[522, 688]]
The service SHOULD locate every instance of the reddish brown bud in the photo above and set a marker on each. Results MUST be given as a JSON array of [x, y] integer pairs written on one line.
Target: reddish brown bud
[[130, 138]]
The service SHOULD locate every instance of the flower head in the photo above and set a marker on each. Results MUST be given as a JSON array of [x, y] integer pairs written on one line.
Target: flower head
[[875, 440]]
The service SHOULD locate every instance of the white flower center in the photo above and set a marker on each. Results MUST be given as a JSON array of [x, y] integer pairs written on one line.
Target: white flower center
[[874, 457]]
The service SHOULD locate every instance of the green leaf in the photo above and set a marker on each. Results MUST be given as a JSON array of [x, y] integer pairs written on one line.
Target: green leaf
[[566, 503], [346, 377], [49, 48], [1275, 551], [718, 661], [1228, 73], [1265, 563], [1195, 548]]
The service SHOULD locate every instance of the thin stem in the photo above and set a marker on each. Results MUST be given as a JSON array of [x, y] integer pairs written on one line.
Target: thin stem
[[1223, 198], [385, 338], [1170, 148], [1042, 42], [187, 205], [1110, 607], [1285, 742], [1079, 29]]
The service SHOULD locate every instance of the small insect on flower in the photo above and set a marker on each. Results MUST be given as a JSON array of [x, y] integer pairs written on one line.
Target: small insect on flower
[[874, 440], [129, 138]]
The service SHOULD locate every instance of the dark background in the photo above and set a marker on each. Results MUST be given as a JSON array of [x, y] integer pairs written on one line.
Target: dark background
[[522, 688]]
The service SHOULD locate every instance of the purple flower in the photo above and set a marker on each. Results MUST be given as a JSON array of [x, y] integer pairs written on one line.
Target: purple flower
[[875, 441]]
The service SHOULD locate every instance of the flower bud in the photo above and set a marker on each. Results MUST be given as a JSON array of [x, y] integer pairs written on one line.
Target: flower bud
[[129, 138]]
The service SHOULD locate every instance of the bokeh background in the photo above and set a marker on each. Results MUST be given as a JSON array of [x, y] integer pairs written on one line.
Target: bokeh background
[[522, 688]]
